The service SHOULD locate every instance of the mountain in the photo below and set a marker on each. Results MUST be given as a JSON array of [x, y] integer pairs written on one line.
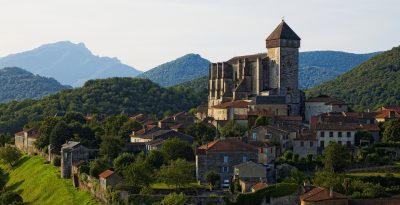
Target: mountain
[[18, 84], [104, 96], [69, 63], [374, 83], [185, 68], [317, 67]]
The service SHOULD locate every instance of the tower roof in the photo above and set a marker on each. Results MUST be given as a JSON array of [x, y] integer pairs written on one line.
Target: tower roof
[[283, 31]]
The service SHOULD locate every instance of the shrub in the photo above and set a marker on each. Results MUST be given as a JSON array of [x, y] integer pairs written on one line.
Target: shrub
[[57, 161], [84, 169]]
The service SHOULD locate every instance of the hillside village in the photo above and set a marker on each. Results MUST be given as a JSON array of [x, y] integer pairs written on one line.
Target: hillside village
[[258, 140]]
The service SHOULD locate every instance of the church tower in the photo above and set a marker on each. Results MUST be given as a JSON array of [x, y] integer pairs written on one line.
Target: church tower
[[283, 52], [283, 67]]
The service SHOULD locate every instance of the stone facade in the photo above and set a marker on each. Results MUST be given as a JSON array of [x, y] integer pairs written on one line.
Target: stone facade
[[72, 152], [25, 140], [220, 156], [274, 73]]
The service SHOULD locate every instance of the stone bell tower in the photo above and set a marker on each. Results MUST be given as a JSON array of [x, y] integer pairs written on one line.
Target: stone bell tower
[[283, 53]]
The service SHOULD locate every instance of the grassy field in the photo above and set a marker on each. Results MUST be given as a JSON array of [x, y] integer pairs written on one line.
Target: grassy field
[[40, 183]]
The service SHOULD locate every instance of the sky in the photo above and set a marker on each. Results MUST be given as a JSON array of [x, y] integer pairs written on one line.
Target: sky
[[144, 34]]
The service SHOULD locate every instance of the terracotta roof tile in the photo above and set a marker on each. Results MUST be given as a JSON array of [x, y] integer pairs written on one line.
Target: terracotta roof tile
[[321, 194], [235, 104], [228, 145], [106, 174], [259, 185]]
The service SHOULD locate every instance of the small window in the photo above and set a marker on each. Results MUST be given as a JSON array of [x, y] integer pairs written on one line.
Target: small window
[[226, 158], [348, 134], [330, 134], [311, 143], [225, 169], [302, 144], [339, 134], [322, 144], [322, 134], [254, 136], [244, 159]]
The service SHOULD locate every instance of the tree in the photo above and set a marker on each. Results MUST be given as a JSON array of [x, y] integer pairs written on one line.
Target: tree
[[73, 116], [392, 131], [288, 155], [263, 121], [127, 128], [232, 129], [174, 199], [9, 155], [328, 179], [111, 146], [176, 148], [202, 132], [179, 173], [212, 178], [155, 159], [122, 161], [10, 197], [98, 166], [5, 138], [138, 175], [45, 129], [59, 135], [336, 157]]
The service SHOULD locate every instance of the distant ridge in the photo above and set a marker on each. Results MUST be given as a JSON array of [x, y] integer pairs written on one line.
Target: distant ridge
[[18, 84], [69, 63], [182, 69]]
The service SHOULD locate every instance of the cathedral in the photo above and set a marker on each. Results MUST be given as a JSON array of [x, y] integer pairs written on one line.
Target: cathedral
[[267, 81]]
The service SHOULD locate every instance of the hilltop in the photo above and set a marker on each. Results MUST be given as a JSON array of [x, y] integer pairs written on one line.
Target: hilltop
[[18, 84], [185, 68], [374, 83], [69, 63]]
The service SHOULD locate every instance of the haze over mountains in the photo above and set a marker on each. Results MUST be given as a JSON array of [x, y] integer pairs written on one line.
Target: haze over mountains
[[69, 63]]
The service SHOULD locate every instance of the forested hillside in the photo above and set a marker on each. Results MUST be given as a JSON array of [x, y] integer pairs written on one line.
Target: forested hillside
[[19, 84], [108, 96], [183, 69], [374, 83]]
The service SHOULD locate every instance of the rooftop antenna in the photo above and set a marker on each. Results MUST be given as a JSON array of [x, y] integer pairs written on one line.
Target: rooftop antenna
[[283, 18]]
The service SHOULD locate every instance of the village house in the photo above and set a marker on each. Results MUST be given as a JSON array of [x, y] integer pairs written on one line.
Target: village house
[[322, 196], [71, 153], [109, 180], [387, 113], [179, 120], [220, 156], [305, 144], [25, 140], [248, 174], [323, 104], [343, 134], [231, 111], [266, 151]]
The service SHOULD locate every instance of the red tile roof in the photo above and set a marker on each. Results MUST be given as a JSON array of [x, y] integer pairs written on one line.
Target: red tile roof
[[370, 127], [328, 100], [259, 185], [106, 174], [321, 194], [386, 113], [20, 133], [227, 145], [235, 104]]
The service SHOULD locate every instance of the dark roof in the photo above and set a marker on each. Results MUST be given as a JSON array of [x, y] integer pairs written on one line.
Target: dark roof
[[70, 144], [248, 163], [165, 134], [251, 57], [283, 31], [270, 100]]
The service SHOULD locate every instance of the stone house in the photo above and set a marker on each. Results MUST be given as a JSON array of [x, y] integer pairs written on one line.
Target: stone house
[[71, 153], [385, 114], [25, 140], [248, 174], [343, 134], [266, 151], [220, 156], [322, 196], [323, 104], [305, 144], [109, 179], [231, 111]]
